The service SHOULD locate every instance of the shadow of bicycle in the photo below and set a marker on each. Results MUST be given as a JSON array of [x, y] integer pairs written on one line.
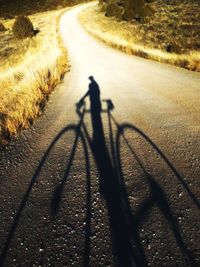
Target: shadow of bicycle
[[133, 197]]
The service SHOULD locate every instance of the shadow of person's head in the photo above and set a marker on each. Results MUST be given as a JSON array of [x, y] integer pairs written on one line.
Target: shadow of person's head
[[91, 78]]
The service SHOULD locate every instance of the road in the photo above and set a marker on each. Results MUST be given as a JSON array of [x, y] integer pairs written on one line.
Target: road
[[116, 188]]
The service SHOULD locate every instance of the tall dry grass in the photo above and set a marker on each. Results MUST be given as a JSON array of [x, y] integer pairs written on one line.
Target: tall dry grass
[[132, 38], [31, 72]]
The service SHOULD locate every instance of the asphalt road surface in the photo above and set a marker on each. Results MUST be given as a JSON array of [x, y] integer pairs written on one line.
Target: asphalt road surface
[[112, 187]]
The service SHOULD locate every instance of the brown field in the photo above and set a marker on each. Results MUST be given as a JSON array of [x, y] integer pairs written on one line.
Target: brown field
[[29, 70], [171, 35]]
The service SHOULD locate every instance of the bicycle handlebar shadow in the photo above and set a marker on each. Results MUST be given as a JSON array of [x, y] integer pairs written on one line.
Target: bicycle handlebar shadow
[[124, 225]]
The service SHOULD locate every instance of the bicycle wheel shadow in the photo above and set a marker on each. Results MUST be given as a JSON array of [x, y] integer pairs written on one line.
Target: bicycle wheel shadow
[[24, 209], [124, 221], [157, 194]]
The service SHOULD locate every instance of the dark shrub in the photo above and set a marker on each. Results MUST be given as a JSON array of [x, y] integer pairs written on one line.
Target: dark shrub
[[2, 27], [8, 16], [114, 10], [173, 48], [23, 27]]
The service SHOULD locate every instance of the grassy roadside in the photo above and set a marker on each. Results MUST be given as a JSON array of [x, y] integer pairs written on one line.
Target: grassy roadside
[[30, 69], [150, 39]]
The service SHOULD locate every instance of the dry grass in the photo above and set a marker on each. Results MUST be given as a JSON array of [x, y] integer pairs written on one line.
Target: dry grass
[[175, 27], [29, 70]]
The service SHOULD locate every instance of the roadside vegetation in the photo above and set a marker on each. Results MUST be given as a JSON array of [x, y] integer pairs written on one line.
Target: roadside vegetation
[[168, 32], [30, 68]]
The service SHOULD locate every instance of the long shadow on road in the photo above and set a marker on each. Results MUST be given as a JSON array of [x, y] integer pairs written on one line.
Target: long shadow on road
[[124, 225]]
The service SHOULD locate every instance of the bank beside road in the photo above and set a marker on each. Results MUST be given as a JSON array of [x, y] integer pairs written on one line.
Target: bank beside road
[[30, 70], [169, 35]]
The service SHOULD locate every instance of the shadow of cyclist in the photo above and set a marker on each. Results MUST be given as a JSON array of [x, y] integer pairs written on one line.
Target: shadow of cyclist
[[110, 187], [95, 108]]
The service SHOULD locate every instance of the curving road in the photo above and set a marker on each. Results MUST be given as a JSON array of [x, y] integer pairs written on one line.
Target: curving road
[[122, 189]]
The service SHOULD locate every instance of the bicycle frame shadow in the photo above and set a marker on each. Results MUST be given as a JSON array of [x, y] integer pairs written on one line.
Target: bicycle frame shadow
[[123, 224]]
